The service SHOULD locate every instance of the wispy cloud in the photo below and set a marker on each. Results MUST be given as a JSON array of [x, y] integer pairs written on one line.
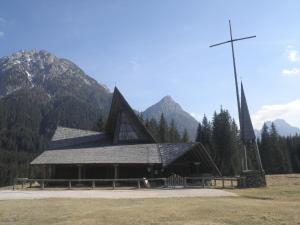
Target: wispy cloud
[[135, 65], [294, 72], [293, 55], [2, 21], [1, 34], [289, 112]]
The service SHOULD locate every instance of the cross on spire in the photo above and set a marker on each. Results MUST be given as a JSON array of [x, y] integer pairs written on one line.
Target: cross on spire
[[236, 82], [234, 64]]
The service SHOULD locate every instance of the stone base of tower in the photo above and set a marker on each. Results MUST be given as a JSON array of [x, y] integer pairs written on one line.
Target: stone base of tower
[[252, 179]]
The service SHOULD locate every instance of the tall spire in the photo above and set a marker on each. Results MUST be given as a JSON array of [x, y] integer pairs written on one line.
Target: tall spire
[[247, 132]]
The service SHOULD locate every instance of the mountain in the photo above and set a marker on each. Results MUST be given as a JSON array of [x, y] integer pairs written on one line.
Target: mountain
[[56, 88], [173, 110], [283, 128], [56, 76]]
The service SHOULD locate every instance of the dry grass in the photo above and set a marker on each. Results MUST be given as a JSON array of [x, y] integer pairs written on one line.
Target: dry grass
[[279, 203]]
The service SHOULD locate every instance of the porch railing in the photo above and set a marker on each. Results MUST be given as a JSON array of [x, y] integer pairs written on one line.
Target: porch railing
[[185, 182]]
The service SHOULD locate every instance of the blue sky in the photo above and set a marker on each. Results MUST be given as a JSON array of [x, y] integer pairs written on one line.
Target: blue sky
[[155, 48]]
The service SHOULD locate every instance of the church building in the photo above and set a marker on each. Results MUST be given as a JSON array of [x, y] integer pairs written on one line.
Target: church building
[[125, 150]]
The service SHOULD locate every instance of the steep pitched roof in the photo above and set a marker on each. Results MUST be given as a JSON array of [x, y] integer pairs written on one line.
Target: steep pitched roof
[[68, 137], [247, 131], [123, 125]]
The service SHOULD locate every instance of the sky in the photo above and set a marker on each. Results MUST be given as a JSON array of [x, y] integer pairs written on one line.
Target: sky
[[151, 49]]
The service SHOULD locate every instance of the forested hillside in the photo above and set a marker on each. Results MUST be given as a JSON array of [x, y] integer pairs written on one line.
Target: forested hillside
[[278, 154], [39, 91]]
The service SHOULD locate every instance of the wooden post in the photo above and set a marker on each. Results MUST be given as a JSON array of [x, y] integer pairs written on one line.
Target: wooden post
[[203, 185], [22, 184], [93, 184], [116, 174], [223, 182], [231, 183], [43, 185], [70, 184], [79, 172], [139, 184], [44, 171], [14, 184], [184, 182]]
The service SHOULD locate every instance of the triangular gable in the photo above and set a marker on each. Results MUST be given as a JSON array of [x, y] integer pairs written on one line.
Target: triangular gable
[[247, 131], [123, 126]]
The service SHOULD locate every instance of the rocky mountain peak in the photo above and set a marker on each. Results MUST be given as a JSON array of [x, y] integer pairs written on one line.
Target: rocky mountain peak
[[33, 68], [167, 98], [283, 128], [172, 110]]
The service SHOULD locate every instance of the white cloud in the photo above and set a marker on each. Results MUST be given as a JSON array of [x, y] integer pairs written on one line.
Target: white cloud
[[293, 55], [290, 112], [294, 72], [134, 64], [1, 34]]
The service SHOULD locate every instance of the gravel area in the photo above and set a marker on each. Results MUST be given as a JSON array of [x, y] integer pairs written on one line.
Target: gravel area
[[112, 194]]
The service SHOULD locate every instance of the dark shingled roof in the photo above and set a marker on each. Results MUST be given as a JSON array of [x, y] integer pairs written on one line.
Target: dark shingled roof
[[68, 137], [163, 153], [172, 151], [139, 154]]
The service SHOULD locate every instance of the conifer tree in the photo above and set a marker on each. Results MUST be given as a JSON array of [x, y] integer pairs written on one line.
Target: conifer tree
[[206, 133], [100, 125], [199, 133], [174, 136], [152, 126], [225, 143], [163, 129], [185, 136]]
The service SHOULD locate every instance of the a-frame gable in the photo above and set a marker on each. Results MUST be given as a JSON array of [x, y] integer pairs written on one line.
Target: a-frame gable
[[123, 126]]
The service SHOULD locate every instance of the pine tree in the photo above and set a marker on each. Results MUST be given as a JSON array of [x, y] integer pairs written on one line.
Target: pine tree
[[206, 133], [163, 129], [99, 125], [199, 133], [174, 135], [225, 143], [152, 126], [185, 136]]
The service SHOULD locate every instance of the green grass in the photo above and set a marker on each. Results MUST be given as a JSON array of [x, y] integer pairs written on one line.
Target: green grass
[[279, 203]]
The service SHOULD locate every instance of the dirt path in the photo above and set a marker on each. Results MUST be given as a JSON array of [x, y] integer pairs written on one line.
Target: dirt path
[[112, 194]]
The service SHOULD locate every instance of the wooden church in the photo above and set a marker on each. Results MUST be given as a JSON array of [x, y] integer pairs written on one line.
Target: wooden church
[[125, 150]]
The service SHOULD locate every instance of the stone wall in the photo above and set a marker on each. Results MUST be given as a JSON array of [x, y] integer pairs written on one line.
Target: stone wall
[[252, 179]]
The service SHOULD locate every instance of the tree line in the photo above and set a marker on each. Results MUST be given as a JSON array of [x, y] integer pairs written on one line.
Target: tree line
[[221, 137], [22, 138], [164, 132]]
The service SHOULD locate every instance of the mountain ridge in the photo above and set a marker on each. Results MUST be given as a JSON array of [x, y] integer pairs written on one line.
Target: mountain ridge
[[172, 110]]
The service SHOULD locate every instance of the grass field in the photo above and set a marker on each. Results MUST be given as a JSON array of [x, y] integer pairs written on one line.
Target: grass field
[[279, 203]]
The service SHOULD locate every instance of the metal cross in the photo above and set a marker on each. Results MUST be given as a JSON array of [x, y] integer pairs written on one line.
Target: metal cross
[[234, 66], [235, 78]]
